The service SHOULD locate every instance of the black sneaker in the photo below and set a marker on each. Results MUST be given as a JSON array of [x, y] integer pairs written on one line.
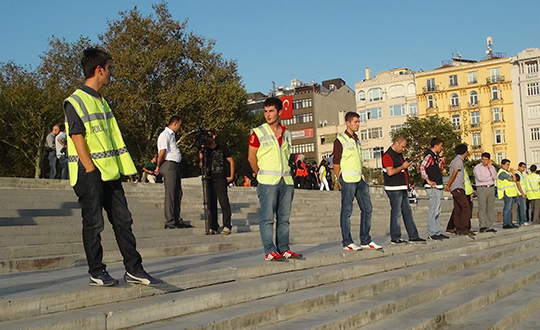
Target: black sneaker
[[398, 241], [183, 225], [104, 279], [443, 236], [508, 227], [142, 277], [435, 238], [417, 240]]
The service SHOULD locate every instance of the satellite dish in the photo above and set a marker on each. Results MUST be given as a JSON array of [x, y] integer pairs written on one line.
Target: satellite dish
[[320, 122], [324, 123]]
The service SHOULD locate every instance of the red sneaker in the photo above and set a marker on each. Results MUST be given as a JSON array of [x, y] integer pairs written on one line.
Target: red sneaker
[[291, 255], [274, 256]]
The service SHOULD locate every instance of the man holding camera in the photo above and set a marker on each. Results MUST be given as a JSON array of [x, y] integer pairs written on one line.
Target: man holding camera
[[218, 157], [396, 185]]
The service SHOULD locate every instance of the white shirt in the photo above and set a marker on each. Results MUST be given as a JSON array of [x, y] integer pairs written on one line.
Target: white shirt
[[167, 141], [62, 137]]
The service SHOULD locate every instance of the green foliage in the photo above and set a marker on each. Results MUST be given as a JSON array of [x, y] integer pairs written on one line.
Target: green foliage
[[418, 132]]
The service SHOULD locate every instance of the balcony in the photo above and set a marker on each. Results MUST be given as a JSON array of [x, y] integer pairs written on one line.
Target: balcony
[[456, 127], [453, 107], [475, 126], [474, 105], [429, 89], [477, 146], [494, 79]]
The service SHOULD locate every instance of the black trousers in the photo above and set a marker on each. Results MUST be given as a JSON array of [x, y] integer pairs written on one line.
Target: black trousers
[[96, 195], [217, 190], [173, 191]]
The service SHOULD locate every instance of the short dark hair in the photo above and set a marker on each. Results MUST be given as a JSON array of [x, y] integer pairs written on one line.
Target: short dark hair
[[461, 149], [273, 101], [62, 127], [174, 119], [487, 155], [521, 164], [92, 58], [350, 115], [532, 168], [504, 161], [435, 141]]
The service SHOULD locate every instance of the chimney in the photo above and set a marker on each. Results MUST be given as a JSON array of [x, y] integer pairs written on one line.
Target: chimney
[[368, 73]]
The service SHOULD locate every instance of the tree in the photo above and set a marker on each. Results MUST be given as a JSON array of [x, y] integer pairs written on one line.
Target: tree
[[161, 70], [418, 132]]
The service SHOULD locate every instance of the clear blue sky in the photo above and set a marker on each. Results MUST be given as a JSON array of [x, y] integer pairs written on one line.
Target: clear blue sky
[[306, 40]]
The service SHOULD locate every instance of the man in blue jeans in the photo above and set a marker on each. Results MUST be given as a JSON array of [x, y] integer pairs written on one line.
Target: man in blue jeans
[[269, 153], [348, 168], [396, 184], [507, 190]]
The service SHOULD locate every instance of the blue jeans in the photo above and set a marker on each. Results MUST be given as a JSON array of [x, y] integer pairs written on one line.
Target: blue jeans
[[507, 210], [399, 203], [349, 191], [522, 215], [275, 200], [52, 164], [64, 166], [433, 222]]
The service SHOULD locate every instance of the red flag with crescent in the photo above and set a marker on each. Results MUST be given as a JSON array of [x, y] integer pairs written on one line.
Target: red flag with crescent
[[287, 107]]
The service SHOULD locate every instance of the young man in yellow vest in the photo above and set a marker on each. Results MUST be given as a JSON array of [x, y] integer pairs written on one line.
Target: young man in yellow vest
[[507, 190], [533, 194], [348, 168], [268, 154], [97, 157], [519, 211]]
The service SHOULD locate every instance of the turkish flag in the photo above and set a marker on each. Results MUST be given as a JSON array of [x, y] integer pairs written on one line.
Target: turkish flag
[[287, 107]]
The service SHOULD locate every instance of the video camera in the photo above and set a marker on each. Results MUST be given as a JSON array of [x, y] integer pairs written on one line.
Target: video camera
[[201, 136]]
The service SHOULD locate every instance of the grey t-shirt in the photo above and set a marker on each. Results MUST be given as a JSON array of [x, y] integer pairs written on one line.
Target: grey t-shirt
[[459, 182]]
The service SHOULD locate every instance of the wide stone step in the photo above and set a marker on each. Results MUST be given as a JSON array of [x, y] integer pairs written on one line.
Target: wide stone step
[[243, 268]]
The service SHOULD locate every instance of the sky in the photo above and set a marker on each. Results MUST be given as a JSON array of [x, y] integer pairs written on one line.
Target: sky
[[306, 40]]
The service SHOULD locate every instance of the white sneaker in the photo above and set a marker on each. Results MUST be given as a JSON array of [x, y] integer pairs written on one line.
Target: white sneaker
[[352, 247], [372, 246], [526, 224]]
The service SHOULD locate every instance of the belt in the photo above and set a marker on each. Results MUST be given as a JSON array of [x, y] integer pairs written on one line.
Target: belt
[[491, 185]]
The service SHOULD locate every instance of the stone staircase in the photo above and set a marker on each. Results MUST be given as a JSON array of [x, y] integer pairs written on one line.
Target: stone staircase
[[222, 282]]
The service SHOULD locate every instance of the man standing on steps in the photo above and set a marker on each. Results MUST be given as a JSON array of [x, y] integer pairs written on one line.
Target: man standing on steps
[[507, 190], [269, 154], [533, 194], [456, 186], [97, 157], [168, 164], [50, 148], [519, 209], [396, 185], [485, 176], [430, 170], [348, 168]]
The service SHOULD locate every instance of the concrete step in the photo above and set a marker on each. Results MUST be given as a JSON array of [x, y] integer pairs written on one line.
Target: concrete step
[[245, 269], [530, 323]]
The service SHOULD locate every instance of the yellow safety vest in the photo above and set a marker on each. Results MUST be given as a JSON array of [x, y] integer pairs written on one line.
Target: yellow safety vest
[[506, 187], [273, 160], [103, 139], [533, 186], [351, 159], [468, 186]]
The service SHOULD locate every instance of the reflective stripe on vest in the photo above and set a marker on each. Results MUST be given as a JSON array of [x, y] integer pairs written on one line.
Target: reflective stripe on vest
[[468, 186], [505, 187], [103, 139], [351, 159], [273, 160], [533, 186]]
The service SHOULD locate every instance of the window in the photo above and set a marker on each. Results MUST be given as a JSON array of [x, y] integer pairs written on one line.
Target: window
[[454, 101], [413, 109], [299, 104], [372, 153], [368, 114], [453, 80], [532, 67], [497, 114], [395, 128], [361, 96], [471, 77], [532, 89], [536, 156], [323, 140], [495, 75], [500, 157], [494, 93], [473, 98], [534, 111], [302, 148], [375, 94], [297, 119], [476, 140], [430, 84], [431, 101], [499, 136], [456, 122], [398, 110], [371, 133], [535, 133], [475, 119]]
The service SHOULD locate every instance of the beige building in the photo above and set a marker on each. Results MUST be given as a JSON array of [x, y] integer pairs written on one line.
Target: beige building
[[383, 102], [526, 91]]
